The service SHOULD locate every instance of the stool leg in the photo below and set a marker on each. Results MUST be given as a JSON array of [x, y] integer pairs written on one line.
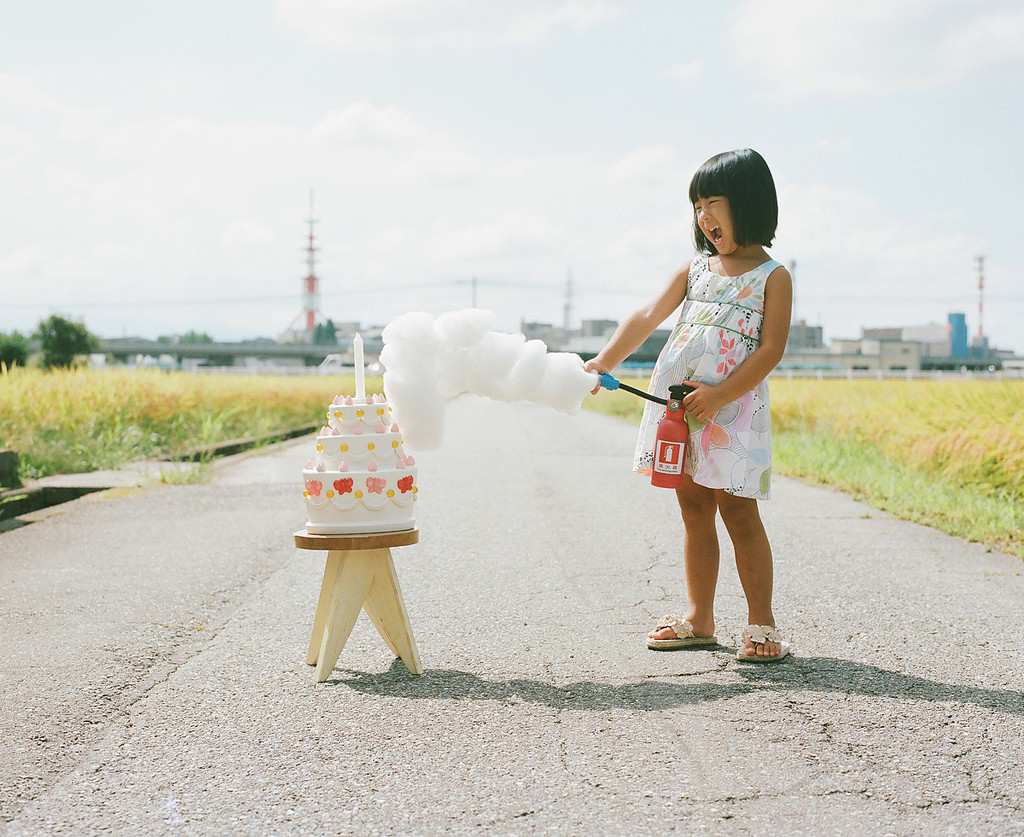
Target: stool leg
[[351, 584], [387, 609], [323, 605], [380, 555]]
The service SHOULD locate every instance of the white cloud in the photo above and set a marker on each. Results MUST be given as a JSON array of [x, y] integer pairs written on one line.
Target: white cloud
[[394, 24], [687, 71], [664, 242], [25, 94], [798, 48], [363, 123], [512, 236], [861, 264], [651, 163], [246, 232]]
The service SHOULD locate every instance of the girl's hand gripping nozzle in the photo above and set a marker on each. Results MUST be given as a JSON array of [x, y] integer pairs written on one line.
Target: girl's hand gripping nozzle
[[609, 381]]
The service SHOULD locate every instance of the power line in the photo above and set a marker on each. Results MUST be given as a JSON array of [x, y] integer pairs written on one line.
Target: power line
[[537, 287], [371, 290]]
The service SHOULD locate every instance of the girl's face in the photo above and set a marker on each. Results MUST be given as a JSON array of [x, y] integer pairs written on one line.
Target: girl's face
[[715, 221]]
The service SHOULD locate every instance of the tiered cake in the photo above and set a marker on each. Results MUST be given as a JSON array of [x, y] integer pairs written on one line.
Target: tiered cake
[[362, 480]]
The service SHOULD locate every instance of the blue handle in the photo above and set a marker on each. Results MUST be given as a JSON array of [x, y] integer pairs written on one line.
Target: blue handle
[[609, 381]]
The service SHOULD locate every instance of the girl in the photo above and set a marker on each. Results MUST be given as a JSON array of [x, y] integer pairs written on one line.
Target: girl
[[731, 332]]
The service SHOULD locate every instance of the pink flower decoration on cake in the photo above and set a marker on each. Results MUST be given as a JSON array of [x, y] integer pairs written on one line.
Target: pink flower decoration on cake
[[357, 430], [343, 466], [348, 400], [313, 487], [337, 399], [320, 467], [326, 431], [405, 484], [375, 485], [394, 428], [409, 461], [380, 428], [372, 466], [343, 486]]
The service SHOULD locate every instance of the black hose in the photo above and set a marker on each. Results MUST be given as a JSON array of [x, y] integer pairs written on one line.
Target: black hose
[[642, 394]]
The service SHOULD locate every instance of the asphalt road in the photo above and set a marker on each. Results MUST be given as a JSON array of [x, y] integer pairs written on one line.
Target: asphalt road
[[153, 681]]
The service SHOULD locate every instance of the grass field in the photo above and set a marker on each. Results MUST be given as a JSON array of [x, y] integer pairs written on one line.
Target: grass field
[[84, 420], [949, 454]]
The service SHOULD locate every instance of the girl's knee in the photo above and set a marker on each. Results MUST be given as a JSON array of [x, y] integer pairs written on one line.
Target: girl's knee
[[696, 501], [738, 512]]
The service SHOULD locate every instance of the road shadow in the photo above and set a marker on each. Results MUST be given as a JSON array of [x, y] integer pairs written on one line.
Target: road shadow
[[831, 674], [822, 674]]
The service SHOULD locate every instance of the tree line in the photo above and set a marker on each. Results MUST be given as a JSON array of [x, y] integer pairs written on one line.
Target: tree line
[[61, 339]]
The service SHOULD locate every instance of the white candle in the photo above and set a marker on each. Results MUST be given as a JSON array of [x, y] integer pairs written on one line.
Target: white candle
[[357, 350]]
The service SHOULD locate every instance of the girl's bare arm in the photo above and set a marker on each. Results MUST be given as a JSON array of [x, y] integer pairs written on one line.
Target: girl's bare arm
[[638, 326]]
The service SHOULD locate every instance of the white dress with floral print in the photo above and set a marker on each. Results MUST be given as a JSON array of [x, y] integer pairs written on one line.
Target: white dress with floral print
[[719, 325]]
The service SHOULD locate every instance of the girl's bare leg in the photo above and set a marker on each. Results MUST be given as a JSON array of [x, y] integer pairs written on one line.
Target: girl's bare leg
[[698, 506], [753, 563]]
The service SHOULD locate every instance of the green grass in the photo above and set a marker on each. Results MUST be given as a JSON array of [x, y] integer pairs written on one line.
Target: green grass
[[977, 514], [70, 421], [943, 453]]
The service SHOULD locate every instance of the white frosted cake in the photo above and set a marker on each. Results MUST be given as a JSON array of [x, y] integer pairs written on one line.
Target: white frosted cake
[[361, 480]]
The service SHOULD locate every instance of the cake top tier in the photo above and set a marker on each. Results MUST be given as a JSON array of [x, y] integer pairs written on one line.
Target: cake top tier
[[348, 415], [350, 400]]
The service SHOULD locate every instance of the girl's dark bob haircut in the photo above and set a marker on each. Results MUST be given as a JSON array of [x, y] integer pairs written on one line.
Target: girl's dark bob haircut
[[743, 177]]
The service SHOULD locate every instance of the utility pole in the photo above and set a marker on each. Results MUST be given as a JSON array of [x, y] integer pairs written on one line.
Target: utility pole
[[980, 262], [567, 307]]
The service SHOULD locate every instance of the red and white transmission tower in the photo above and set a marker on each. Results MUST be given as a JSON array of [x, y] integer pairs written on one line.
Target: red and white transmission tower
[[303, 325]]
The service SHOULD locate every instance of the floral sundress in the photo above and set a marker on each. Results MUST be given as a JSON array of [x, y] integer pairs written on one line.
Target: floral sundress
[[719, 325]]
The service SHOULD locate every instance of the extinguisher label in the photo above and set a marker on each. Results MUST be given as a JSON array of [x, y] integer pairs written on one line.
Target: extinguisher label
[[668, 457]]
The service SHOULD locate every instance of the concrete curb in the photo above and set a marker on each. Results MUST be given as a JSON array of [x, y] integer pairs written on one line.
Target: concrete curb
[[58, 489]]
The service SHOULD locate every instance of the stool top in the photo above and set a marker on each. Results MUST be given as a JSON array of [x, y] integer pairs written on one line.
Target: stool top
[[352, 543]]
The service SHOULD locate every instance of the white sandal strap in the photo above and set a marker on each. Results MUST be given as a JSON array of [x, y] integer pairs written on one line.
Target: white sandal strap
[[682, 627], [762, 633]]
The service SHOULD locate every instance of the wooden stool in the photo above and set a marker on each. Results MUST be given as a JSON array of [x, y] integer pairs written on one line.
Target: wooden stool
[[359, 573]]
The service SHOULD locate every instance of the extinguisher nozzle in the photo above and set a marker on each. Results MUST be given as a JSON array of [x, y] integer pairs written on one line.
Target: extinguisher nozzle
[[609, 381]]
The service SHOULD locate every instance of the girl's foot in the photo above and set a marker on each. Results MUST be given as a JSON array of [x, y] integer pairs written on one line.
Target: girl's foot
[[701, 628], [761, 649], [763, 642]]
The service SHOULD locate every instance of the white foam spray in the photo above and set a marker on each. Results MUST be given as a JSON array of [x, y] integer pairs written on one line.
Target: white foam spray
[[429, 361]]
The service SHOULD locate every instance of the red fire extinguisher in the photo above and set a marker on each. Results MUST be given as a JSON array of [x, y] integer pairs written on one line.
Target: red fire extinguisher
[[673, 435], [671, 440]]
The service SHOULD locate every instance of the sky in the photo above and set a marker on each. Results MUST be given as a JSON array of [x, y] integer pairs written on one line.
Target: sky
[[156, 158]]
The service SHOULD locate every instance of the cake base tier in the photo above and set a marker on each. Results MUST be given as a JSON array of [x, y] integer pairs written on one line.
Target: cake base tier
[[358, 528]]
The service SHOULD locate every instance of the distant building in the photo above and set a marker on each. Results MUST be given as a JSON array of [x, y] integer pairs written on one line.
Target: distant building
[[652, 346], [958, 334], [933, 337], [857, 355], [588, 346], [554, 337], [803, 336], [881, 333], [346, 329], [598, 328]]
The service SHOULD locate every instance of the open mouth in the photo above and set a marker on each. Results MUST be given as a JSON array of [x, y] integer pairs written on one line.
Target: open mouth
[[716, 233]]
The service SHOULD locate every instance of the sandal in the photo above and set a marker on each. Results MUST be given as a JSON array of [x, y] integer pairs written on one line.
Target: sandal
[[759, 634], [685, 637]]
